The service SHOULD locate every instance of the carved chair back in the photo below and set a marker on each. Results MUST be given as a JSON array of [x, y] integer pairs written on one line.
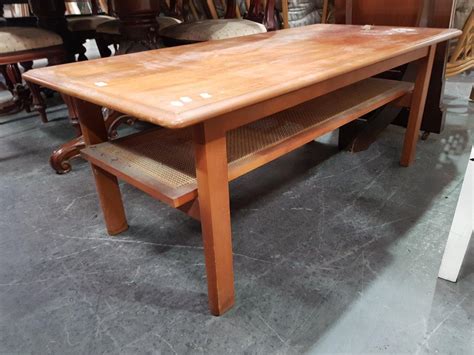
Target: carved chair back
[[18, 8], [262, 11], [92, 4]]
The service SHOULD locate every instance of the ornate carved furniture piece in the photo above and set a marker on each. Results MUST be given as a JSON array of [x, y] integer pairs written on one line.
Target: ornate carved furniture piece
[[223, 119], [23, 45], [139, 28]]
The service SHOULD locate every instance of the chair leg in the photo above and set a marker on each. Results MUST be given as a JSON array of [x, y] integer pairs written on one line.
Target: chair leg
[[102, 45], [38, 101]]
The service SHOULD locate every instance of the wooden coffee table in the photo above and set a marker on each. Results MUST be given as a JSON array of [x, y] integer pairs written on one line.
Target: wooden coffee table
[[228, 107]]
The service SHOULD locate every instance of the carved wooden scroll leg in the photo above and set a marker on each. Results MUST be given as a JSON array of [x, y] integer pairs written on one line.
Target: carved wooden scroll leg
[[213, 191], [417, 107], [60, 159], [94, 132]]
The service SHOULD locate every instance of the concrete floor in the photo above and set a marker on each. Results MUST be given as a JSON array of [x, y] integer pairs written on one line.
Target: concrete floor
[[333, 253]]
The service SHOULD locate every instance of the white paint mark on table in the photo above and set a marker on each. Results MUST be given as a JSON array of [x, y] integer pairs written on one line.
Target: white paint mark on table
[[185, 99], [177, 103], [205, 95]]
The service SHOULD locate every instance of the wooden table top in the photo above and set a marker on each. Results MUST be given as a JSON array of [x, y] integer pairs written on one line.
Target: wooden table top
[[181, 86]]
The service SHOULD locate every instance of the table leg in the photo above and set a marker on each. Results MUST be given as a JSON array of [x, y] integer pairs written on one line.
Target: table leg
[[94, 132], [417, 107], [213, 192]]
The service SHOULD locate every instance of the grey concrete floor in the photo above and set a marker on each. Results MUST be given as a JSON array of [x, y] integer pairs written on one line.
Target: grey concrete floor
[[334, 253]]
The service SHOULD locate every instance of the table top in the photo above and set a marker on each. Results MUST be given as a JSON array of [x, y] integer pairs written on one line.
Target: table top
[[181, 86]]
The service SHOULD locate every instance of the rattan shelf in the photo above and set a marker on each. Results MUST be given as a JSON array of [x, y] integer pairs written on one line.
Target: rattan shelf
[[161, 161]]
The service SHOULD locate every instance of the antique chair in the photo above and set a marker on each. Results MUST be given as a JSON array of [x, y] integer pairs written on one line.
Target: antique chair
[[232, 25], [22, 45]]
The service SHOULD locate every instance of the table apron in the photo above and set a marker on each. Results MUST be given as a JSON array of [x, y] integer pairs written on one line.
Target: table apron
[[255, 112]]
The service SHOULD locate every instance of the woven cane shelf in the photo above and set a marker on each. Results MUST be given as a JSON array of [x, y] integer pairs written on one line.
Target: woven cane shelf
[[161, 161]]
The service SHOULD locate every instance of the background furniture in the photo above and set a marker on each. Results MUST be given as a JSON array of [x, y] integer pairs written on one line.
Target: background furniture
[[50, 15], [426, 13], [462, 56], [108, 33], [23, 45], [84, 26], [139, 27], [234, 24], [296, 13], [16, 13], [461, 229]]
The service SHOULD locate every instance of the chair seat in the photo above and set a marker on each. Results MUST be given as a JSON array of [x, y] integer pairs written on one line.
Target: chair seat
[[87, 23], [207, 30], [112, 27], [15, 39]]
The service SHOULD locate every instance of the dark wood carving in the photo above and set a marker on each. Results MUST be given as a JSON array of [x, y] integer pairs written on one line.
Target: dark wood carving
[[139, 28], [60, 159], [50, 15]]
